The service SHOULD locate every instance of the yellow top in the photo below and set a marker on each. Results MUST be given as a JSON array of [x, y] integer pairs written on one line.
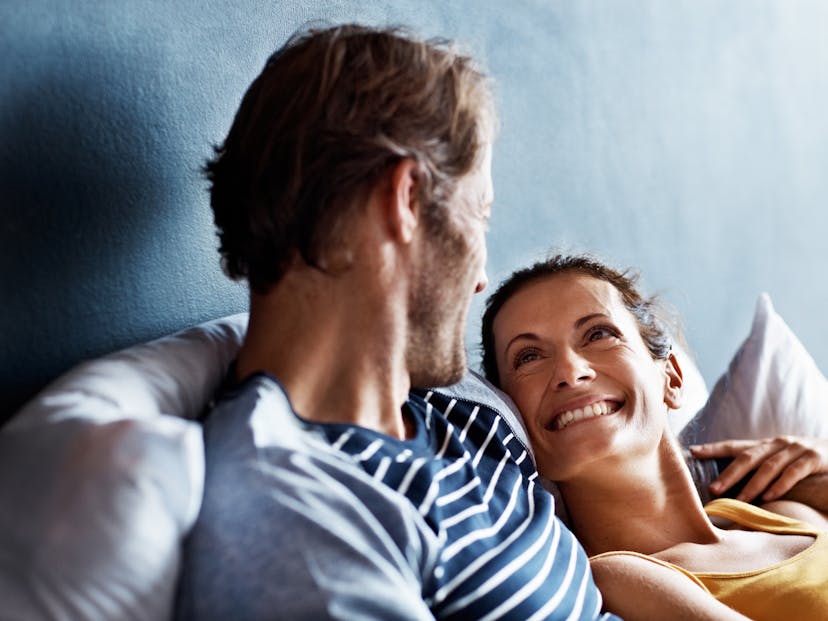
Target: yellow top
[[796, 588]]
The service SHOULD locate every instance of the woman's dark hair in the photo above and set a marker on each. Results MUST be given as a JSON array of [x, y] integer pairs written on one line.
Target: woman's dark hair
[[329, 114], [654, 321]]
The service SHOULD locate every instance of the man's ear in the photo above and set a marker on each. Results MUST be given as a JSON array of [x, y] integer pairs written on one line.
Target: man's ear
[[673, 382], [402, 205]]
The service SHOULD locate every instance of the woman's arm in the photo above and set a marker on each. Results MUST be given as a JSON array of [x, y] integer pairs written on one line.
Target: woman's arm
[[804, 500], [641, 589]]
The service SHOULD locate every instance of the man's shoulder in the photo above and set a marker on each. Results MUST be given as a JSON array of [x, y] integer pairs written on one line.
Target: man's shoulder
[[288, 522], [474, 390], [253, 434], [255, 413]]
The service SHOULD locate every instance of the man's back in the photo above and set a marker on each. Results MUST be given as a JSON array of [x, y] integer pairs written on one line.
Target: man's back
[[302, 520]]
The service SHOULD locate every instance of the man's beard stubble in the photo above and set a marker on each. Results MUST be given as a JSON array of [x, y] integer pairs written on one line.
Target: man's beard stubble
[[436, 354], [437, 307]]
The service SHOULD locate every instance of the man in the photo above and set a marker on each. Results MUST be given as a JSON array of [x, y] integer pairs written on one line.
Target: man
[[352, 193]]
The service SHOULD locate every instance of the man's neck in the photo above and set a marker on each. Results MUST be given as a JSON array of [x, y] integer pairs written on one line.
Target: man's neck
[[340, 356]]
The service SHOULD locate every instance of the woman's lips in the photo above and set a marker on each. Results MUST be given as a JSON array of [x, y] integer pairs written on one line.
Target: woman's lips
[[598, 408]]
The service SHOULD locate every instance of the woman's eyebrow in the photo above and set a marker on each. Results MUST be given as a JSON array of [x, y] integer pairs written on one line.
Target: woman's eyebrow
[[588, 318], [531, 336]]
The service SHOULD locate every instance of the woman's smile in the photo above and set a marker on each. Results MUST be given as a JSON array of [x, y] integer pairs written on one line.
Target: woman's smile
[[572, 415]]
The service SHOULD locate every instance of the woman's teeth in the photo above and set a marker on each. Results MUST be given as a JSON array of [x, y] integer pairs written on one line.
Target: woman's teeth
[[600, 408]]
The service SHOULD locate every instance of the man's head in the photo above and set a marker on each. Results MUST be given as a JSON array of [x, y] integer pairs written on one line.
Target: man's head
[[329, 115]]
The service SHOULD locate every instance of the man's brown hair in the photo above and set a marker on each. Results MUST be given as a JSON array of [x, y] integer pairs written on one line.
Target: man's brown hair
[[331, 112]]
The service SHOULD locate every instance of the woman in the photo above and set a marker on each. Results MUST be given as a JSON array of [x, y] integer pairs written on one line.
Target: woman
[[588, 362]]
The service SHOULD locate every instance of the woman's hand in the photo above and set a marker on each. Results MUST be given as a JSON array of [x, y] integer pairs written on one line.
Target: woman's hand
[[780, 463]]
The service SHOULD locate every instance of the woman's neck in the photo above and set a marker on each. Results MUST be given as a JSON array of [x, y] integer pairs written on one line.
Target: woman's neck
[[646, 504]]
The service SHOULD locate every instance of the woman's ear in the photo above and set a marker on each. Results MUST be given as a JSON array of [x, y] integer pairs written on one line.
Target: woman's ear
[[673, 381], [402, 204]]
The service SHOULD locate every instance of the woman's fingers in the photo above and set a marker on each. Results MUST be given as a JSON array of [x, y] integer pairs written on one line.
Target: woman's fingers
[[747, 456], [724, 448], [778, 473], [779, 463], [805, 465]]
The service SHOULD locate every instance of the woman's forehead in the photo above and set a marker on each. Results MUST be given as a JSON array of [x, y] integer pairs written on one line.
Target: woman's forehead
[[566, 294], [556, 303]]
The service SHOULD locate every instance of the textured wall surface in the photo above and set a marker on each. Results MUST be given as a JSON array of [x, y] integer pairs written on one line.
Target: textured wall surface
[[689, 139]]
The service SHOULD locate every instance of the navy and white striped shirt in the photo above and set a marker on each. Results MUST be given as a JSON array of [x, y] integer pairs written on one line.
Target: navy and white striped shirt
[[305, 520], [503, 554]]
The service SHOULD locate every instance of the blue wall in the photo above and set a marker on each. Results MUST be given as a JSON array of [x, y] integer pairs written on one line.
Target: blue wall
[[686, 138]]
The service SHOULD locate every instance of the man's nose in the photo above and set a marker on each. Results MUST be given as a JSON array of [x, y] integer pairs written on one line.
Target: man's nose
[[482, 281]]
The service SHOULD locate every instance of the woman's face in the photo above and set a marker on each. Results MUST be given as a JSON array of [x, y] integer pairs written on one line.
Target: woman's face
[[570, 355]]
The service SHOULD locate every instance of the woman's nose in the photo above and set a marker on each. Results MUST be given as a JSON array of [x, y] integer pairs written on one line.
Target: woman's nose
[[571, 369]]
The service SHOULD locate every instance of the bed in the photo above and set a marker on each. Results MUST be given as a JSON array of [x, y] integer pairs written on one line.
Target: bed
[[101, 473]]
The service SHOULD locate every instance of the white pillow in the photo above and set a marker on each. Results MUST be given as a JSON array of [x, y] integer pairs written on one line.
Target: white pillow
[[772, 387], [98, 487]]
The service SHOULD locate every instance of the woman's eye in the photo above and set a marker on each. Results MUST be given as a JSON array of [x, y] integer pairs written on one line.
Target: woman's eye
[[599, 333], [524, 356]]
